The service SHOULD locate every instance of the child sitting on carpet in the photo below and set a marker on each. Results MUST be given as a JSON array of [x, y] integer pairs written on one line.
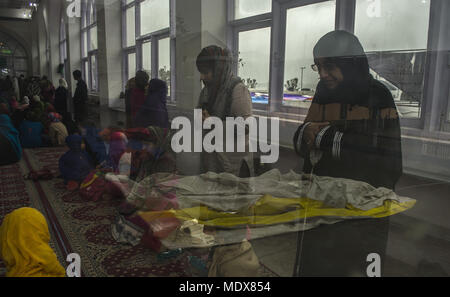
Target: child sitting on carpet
[[24, 245], [75, 164]]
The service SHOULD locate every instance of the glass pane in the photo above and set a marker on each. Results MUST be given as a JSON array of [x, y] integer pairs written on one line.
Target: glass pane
[[147, 57], [91, 14], [394, 34], [131, 65], [247, 8], [86, 73], [131, 27], [84, 44], [154, 15], [129, 1], [305, 25], [94, 72], [93, 44], [164, 61], [254, 59]]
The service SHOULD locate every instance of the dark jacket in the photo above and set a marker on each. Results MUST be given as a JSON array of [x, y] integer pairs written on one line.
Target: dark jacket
[[61, 95], [363, 141]]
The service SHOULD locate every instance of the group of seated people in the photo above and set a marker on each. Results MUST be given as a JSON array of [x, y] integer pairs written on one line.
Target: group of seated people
[[36, 119]]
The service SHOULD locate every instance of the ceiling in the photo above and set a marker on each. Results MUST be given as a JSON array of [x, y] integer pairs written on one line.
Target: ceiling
[[16, 9]]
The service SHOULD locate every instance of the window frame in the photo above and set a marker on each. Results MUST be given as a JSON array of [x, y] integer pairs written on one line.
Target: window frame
[[153, 38], [62, 41], [86, 7]]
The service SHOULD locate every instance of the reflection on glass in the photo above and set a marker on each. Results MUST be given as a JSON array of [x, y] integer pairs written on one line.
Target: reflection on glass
[[164, 61], [93, 33], [131, 27], [305, 25], [147, 57], [91, 13], [394, 36], [254, 60], [154, 15], [248, 8], [131, 65]]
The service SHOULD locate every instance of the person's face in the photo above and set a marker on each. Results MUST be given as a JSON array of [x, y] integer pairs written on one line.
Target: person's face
[[206, 77], [330, 74]]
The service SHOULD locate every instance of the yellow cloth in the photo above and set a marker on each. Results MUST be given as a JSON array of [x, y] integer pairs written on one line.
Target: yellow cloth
[[269, 210], [24, 245]]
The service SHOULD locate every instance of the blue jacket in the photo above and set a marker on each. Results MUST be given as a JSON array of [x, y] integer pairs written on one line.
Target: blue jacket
[[75, 164], [7, 129], [30, 134]]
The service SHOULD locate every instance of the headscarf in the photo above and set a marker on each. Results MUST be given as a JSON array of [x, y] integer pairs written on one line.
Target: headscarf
[[24, 245], [154, 110], [54, 117], [75, 164], [345, 50], [63, 83], [213, 97]]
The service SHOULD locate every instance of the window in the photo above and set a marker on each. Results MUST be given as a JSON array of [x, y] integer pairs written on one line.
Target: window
[[62, 42], [248, 8], [130, 26], [397, 52], [254, 60], [164, 61], [147, 57], [155, 15], [305, 25], [13, 57], [89, 44], [146, 42]]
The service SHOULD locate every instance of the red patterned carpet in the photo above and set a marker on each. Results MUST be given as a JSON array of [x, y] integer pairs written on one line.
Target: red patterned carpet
[[79, 226]]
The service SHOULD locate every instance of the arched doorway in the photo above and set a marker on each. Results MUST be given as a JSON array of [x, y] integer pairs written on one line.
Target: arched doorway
[[13, 57]]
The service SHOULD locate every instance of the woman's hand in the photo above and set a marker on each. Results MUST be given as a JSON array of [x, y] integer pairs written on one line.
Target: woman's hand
[[311, 132]]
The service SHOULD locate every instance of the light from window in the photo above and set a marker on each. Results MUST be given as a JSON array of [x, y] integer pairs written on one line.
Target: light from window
[[94, 73], [254, 61], [85, 42], [131, 65], [93, 44], [86, 73], [394, 36], [164, 61], [305, 25], [131, 27], [147, 57], [154, 15], [248, 8]]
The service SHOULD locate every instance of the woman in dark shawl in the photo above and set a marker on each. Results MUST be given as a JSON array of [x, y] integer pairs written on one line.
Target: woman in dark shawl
[[154, 111]]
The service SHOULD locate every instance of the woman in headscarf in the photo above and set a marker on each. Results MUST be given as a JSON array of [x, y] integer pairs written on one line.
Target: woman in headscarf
[[61, 95], [57, 132], [24, 245], [352, 131], [224, 95], [135, 95], [75, 164], [353, 123], [153, 111]]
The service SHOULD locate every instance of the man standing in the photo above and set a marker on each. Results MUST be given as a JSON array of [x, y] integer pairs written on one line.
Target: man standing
[[80, 97]]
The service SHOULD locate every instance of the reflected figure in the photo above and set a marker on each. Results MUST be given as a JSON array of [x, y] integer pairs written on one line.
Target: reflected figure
[[224, 95], [352, 129], [153, 112], [135, 96]]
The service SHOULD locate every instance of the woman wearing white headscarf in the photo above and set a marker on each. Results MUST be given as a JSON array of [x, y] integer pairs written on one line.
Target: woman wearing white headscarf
[[61, 95]]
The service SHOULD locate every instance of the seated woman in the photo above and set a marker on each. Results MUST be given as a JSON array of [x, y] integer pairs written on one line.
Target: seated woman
[[75, 164], [24, 245], [57, 132], [10, 148]]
